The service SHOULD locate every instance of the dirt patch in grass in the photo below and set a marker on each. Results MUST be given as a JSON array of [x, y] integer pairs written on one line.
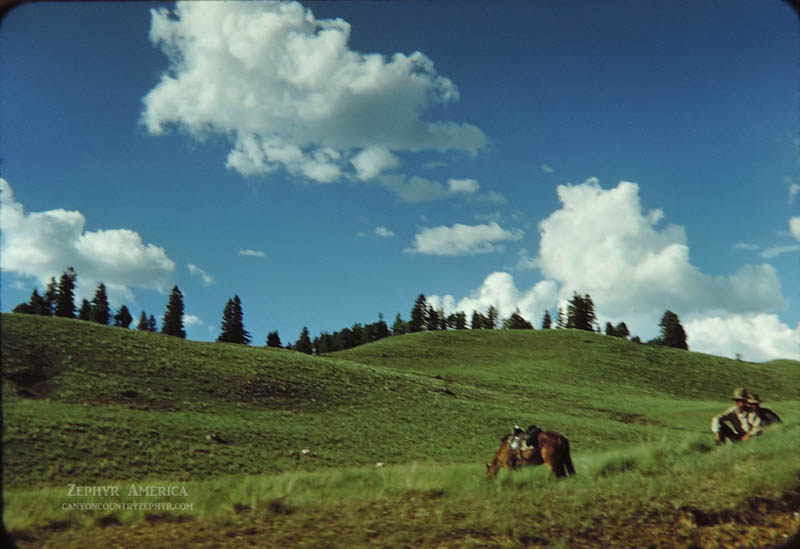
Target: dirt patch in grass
[[629, 418], [32, 371]]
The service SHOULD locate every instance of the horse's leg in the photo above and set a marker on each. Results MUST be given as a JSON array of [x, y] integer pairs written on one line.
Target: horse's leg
[[568, 459], [547, 457]]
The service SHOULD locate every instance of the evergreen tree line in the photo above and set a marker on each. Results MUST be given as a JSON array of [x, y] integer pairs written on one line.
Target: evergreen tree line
[[59, 300], [579, 315]]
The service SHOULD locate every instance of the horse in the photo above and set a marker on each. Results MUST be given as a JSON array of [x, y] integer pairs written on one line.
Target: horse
[[543, 447]]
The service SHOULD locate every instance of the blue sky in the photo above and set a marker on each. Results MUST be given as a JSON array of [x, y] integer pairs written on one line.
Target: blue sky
[[330, 161]]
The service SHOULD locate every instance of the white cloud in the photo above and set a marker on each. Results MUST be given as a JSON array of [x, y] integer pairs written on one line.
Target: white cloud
[[499, 290], [251, 253], [205, 278], [462, 239], [414, 189], [463, 185], [775, 251], [371, 162], [44, 244], [745, 246], [794, 189], [384, 232], [756, 337], [547, 169], [493, 197], [192, 320], [291, 93], [794, 227], [417, 189], [603, 243]]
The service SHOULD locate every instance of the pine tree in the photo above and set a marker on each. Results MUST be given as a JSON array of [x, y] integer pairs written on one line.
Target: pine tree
[[562, 320], [51, 296], [400, 326], [610, 331], [274, 340], [226, 335], [172, 323], [517, 322], [432, 319], [37, 305], [457, 321], [547, 322], [672, 333], [591, 317], [418, 314], [86, 311], [622, 330], [65, 295], [151, 324], [24, 308], [101, 312], [580, 313], [143, 325], [303, 344], [478, 321], [123, 317], [380, 329], [232, 329], [442, 319], [491, 318]]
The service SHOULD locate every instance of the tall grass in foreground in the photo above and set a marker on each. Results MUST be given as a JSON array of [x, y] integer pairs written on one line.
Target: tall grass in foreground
[[675, 473]]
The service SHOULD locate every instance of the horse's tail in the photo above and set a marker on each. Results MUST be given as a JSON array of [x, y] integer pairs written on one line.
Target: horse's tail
[[568, 458]]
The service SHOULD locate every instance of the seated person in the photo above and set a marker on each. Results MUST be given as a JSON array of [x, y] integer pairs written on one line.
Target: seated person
[[735, 423], [766, 415]]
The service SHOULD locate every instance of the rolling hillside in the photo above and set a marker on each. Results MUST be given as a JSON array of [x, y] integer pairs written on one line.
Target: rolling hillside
[[439, 397], [90, 404]]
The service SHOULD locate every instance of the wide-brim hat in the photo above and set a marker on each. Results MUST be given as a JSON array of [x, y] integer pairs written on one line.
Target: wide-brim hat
[[740, 394], [753, 399]]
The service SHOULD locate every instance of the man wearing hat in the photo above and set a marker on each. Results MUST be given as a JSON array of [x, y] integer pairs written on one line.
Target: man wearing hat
[[736, 423], [766, 415]]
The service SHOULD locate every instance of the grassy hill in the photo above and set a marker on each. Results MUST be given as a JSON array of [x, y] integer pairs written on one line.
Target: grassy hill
[[90, 404]]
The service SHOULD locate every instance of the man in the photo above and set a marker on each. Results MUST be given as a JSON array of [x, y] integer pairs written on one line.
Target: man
[[767, 416], [516, 443], [736, 423]]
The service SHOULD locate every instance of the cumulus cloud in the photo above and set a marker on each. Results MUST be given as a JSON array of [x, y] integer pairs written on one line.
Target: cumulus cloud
[[500, 291], [756, 337], [463, 185], [493, 197], [43, 244], [794, 188], [192, 320], [251, 253], [384, 232], [602, 242], [775, 251], [292, 95], [417, 189], [414, 189], [204, 277], [462, 239], [794, 227], [373, 161]]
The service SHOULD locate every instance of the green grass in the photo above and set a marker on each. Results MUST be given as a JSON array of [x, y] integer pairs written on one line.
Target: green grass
[[120, 407]]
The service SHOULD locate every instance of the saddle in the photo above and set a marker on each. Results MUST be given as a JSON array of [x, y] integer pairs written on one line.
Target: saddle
[[532, 436]]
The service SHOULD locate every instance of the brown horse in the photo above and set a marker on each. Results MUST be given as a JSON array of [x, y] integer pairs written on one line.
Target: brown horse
[[549, 447]]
